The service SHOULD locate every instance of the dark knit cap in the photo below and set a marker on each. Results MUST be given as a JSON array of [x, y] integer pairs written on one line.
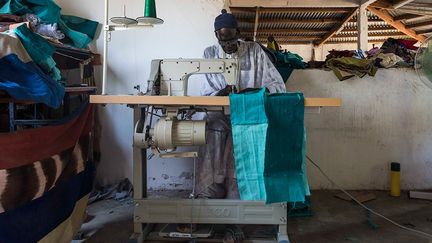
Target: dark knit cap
[[225, 20]]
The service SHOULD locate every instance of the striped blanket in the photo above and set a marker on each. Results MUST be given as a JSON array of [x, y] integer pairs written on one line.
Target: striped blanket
[[45, 179]]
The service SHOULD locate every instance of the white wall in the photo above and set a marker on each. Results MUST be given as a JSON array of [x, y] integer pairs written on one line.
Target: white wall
[[383, 119], [187, 31]]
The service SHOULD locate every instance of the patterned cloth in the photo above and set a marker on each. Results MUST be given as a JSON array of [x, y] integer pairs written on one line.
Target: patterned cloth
[[45, 179]]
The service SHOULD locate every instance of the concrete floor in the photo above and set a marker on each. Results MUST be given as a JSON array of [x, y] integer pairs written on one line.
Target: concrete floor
[[334, 220]]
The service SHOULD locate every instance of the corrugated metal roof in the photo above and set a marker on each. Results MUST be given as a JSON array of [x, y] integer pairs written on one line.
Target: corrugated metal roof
[[312, 24]]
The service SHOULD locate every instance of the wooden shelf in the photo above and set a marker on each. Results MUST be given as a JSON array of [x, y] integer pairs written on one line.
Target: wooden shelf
[[192, 100]]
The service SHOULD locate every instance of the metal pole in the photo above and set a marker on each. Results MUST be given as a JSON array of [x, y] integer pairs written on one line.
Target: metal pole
[[105, 50]]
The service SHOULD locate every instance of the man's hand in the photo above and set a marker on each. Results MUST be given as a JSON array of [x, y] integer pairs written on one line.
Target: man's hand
[[226, 91], [250, 90]]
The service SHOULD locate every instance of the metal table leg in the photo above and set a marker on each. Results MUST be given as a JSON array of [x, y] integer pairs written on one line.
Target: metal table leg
[[139, 179]]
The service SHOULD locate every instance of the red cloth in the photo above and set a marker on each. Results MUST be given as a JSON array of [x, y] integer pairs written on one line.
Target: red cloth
[[27, 146], [409, 44]]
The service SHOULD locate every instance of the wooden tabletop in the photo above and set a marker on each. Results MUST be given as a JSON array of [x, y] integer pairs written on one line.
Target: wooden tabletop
[[192, 100]]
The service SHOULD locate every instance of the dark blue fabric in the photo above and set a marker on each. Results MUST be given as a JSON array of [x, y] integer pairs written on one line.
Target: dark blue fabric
[[225, 20], [32, 222], [25, 81]]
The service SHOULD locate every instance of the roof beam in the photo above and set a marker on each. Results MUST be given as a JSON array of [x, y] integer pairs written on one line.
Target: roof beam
[[384, 15], [406, 17], [382, 4], [354, 20], [291, 38], [372, 28], [294, 3], [290, 10], [337, 28], [392, 34], [401, 3], [257, 13], [362, 28], [420, 24], [283, 31], [294, 21], [367, 2], [355, 41], [289, 21], [424, 31], [394, 4]]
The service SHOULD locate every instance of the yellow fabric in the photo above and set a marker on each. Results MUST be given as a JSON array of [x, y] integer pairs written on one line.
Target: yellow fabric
[[271, 45], [65, 232]]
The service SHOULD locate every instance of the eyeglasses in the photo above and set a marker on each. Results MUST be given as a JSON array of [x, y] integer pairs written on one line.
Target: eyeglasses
[[228, 42]]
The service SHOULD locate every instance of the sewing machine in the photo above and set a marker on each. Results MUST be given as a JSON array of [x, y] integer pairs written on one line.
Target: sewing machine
[[171, 76], [167, 95]]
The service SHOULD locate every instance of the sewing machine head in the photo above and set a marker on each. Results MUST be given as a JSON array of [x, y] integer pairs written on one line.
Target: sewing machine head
[[170, 76]]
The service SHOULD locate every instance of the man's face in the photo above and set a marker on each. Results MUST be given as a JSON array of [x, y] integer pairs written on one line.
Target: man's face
[[228, 39]]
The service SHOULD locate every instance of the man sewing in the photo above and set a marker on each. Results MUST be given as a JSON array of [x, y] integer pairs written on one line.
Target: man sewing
[[216, 167]]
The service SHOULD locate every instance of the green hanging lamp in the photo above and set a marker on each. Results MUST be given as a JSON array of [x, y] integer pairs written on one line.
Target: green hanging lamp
[[150, 16]]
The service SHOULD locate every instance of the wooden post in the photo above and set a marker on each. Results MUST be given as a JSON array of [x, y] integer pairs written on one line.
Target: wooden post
[[362, 28], [256, 23]]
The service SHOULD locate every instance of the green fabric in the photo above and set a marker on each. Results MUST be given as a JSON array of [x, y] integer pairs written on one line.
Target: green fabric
[[5, 7], [249, 127], [269, 146], [347, 67], [80, 31], [13, 7], [39, 50], [284, 173], [46, 10], [286, 62]]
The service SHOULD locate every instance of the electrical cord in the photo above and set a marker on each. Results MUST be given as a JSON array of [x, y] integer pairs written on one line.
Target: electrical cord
[[364, 206]]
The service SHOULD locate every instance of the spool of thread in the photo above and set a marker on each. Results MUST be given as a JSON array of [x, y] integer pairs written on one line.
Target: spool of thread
[[395, 179]]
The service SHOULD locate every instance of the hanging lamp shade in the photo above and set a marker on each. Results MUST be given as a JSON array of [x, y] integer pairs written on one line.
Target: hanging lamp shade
[[150, 16]]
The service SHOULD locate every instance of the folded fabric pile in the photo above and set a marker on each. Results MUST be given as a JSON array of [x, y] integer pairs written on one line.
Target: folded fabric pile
[[45, 17], [269, 146], [393, 53], [21, 77], [348, 67], [30, 72]]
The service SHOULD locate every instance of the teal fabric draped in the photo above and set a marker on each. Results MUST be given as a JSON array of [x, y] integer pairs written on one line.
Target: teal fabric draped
[[249, 131], [269, 146], [39, 50], [80, 31], [284, 172]]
